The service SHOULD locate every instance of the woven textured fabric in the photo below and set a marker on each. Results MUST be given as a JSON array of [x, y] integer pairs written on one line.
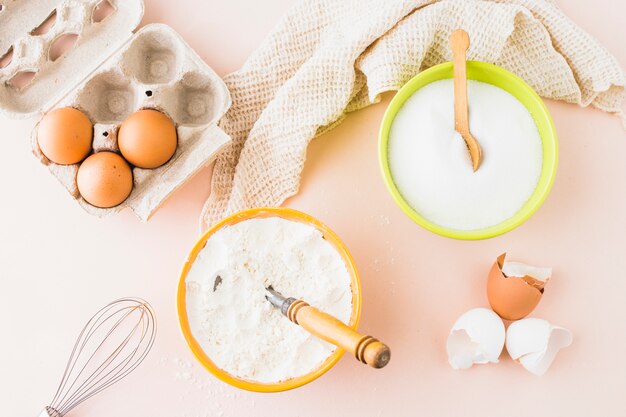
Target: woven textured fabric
[[330, 57]]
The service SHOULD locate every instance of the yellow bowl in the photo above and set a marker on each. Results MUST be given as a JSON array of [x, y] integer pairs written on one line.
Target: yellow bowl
[[288, 214], [507, 81]]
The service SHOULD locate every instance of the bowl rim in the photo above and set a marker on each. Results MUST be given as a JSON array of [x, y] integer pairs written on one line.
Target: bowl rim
[[196, 349], [548, 139]]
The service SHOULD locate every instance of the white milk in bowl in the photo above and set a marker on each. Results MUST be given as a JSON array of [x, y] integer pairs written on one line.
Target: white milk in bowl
[[431, 166]]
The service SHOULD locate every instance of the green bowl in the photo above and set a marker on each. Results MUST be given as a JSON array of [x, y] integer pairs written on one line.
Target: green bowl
[[491, 74]]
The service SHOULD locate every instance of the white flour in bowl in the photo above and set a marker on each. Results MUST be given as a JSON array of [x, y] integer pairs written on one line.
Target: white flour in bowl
[[431, 166], [236, 326]]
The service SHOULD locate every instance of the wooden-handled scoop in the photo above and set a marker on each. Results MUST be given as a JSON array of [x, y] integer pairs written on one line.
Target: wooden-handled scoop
[[365, 348], [459, 42]]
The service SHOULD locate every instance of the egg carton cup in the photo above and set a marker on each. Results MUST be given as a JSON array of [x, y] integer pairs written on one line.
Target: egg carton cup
[[110, 73]]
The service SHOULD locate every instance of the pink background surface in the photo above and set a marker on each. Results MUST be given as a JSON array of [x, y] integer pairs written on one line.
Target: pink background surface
[[58, 265]]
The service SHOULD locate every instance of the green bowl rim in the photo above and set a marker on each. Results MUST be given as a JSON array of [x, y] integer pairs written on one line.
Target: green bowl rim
[[550, 161]]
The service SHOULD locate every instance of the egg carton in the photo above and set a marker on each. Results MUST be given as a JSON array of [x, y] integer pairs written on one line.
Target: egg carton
[[109, 73]]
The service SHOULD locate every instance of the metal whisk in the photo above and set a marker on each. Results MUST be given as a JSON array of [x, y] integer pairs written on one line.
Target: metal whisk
[[110, 346]]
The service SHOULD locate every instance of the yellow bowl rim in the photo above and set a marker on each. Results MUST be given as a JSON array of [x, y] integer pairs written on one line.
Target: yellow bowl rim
[[196, 349], [549, 142]]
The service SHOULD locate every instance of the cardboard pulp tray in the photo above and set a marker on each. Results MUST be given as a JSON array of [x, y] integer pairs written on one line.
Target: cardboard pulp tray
[[109, 73]]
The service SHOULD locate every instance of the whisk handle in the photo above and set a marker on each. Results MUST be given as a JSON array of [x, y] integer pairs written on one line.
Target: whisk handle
[[49, 412]]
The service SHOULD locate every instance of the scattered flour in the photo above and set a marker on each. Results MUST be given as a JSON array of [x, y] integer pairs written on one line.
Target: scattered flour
[[236, 326], [431, 167]]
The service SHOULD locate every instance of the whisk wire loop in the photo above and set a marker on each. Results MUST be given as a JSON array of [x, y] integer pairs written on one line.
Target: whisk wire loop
[[110, 346], [89, 382]]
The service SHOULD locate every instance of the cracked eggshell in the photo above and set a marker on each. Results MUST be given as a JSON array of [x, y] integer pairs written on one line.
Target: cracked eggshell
[[534, 343], [514, 289], [477, 337]]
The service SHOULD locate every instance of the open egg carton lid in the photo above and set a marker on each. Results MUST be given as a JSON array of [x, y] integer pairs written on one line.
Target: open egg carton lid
[[32, 78], [109, 72]]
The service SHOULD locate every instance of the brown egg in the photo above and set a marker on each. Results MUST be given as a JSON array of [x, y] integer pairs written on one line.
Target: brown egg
[[64, 136], [513, 298], [104, 179], [147, 139]]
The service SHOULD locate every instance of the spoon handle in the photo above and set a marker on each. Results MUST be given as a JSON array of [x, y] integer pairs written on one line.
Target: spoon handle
[[459, 42], [365, 348]]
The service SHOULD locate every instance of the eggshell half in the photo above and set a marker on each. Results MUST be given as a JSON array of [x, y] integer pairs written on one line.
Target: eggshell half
[[477, 337], [534, 343], [514, 298]]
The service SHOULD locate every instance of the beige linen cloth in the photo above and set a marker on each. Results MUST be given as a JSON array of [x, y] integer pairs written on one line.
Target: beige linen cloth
[[330, 57]]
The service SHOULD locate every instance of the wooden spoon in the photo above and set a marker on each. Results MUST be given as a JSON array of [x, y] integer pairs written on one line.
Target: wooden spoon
[[459, 42], [365, 348]]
